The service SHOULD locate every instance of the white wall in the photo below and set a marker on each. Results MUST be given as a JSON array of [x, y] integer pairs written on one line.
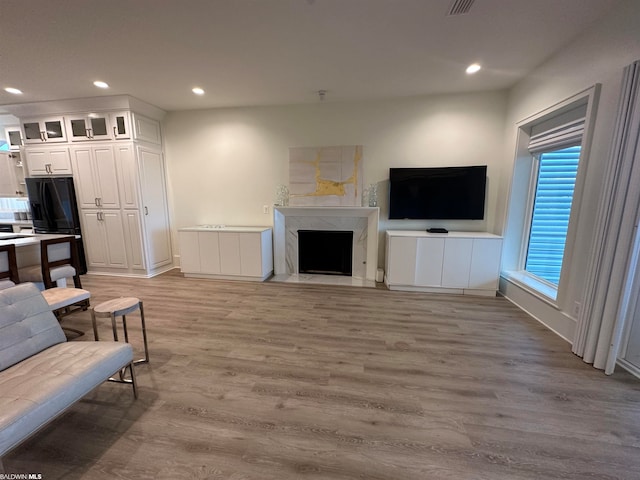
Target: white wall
[[598, 56], [224, 164]]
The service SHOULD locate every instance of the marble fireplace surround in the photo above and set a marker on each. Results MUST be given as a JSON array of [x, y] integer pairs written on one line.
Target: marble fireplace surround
[[362, 221]]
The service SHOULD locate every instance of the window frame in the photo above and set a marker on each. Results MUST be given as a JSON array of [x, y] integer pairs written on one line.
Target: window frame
[[522, 196]]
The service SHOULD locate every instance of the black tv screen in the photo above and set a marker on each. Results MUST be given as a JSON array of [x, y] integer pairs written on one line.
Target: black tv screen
[[440, 193]]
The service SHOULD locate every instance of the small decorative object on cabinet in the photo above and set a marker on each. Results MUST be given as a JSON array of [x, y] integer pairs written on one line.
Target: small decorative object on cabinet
[[373, 195], [282, 196]]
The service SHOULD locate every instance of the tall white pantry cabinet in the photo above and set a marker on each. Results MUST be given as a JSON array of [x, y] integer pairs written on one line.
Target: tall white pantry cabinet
[[123, 211], [119, 177]]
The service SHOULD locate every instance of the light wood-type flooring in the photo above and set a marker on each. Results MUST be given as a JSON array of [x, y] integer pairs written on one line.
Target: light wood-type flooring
[[272, 381]]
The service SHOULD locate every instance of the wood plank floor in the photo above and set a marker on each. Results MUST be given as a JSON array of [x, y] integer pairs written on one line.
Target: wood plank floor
[[282, 381]]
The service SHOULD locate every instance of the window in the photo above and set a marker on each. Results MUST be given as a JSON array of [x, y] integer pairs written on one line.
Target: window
[[552, 199], [540, 260]]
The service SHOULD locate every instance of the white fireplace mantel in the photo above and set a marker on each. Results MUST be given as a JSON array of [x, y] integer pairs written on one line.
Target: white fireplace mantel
[[363, 221]]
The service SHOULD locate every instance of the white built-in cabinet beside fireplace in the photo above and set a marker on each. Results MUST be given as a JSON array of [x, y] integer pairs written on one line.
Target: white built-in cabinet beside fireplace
[[233, 253], [455, 262]]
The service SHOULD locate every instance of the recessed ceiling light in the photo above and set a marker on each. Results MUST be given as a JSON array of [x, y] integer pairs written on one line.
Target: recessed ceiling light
[[473, 68], [100, 84], [15, 91], [197, 91]]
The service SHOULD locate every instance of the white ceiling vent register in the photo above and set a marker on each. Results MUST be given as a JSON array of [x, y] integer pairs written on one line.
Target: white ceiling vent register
[[460, 7]]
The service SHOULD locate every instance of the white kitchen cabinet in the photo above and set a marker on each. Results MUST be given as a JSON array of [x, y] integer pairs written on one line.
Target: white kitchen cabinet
[[11, 175], [45, 161], [244, 253], [39, 130], [457, 262], [115, 157], [120, 125], [146, 129], [104, 239], [96, 178], [133, 239], [13, 136], [128, 180], [90, 126], [155, 213]]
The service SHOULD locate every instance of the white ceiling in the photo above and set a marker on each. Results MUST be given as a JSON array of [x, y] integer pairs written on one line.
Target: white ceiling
[[271, 52]]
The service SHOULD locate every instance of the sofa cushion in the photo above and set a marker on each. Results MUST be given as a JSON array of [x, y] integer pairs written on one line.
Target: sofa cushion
[[27, 325], [38, 389]]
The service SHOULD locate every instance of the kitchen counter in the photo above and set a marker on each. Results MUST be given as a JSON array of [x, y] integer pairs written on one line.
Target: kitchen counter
[[25, 239], [27, 246]]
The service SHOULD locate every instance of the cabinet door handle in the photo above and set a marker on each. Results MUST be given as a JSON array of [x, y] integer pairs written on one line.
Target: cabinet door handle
[[115, 132], [95, 201], [98, 216], [47, 168], [146, 211], [42, 137], [99, 201]]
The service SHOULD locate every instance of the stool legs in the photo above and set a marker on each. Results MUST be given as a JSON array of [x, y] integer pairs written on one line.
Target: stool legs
[[144, 336], [95, 326], [112, 316]]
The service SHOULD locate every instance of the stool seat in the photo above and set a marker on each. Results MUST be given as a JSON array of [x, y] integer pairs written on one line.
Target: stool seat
[[117, 307], [120, 307]]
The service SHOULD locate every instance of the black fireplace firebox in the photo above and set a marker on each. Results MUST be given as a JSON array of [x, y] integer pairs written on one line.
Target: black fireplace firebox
[[327, 252]]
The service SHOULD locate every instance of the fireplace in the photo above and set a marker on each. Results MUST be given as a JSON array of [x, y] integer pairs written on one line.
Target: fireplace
[[362, 222], [327, 252]]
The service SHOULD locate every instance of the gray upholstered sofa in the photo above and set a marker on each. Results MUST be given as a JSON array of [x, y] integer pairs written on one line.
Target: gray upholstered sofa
[[41, 374]]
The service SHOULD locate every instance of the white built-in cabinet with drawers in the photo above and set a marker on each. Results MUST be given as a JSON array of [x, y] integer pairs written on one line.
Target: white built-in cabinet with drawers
[[455, 262], [121, 195], [112, 146], [234, 253]]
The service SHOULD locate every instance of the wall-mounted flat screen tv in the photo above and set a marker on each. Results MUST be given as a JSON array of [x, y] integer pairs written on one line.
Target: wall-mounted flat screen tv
[[437, 193]]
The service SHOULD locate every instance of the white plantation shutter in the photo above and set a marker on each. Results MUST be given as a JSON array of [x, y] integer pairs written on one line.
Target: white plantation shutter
[[551, 210]]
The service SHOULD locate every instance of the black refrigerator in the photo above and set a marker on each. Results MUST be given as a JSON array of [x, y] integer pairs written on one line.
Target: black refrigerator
[[54, 209]]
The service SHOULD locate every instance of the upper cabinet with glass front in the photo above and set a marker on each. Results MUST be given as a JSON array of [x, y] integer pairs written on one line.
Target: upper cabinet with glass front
[[42, 130], [121, 125], [90, 126], [13, 136], [99, 126]]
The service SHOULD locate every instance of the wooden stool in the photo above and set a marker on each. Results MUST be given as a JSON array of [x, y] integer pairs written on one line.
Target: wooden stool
[[121, 307]]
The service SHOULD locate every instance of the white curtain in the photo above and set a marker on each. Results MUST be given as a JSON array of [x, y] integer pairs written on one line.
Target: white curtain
[[611, 271]]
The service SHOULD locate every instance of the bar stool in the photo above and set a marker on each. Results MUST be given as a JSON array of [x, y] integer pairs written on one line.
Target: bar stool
[[120, 307]]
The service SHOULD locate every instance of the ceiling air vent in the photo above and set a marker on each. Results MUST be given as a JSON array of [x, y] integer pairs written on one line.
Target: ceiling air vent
[[460, 7]]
